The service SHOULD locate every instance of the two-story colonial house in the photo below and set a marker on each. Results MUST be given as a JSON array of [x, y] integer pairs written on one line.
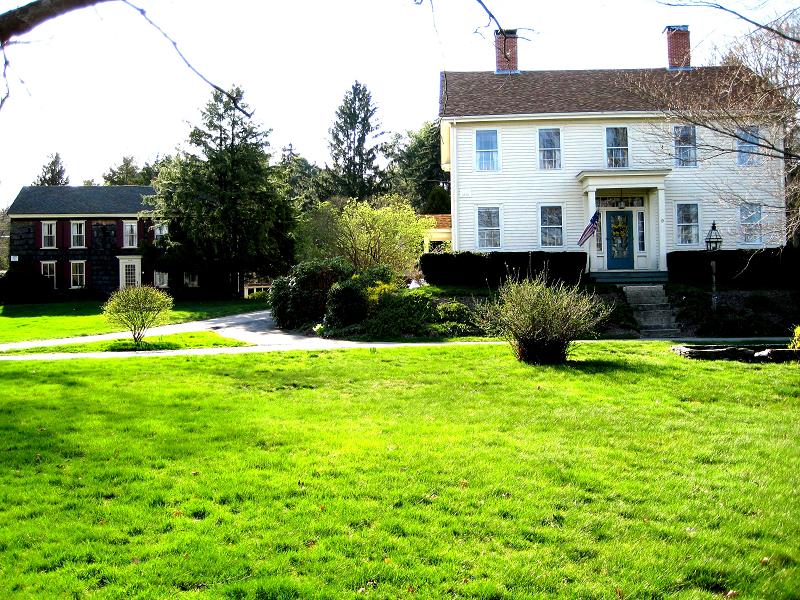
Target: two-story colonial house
[[535, 155], [85, 238]]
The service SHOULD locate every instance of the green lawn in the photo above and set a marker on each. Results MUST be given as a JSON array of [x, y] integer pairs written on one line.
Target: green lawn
[[446, 472], [20, 322], [175, 341]]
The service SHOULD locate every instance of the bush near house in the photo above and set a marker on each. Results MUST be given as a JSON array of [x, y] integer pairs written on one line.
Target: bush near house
[[541, 320], [493, 268], [766, 269]]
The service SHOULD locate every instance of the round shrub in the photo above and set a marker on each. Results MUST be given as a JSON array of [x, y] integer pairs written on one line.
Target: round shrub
[[540, 320], [137, 309], [347, 304], [280, 298], [405, 312]]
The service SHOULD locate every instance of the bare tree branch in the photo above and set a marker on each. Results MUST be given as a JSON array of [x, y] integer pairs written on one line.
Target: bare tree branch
[[716, 6], [25, 18]]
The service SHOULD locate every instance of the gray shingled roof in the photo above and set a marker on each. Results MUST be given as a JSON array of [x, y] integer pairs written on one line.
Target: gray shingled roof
[[605, 90], [80, 200]]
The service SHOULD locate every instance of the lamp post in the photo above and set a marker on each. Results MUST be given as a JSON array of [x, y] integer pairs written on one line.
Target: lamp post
[[713, 243]]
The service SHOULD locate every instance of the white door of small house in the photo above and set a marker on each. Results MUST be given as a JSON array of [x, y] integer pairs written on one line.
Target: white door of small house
[[130, 271]]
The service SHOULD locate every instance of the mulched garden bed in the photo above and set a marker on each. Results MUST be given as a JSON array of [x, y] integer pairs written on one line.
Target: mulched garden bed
[[742, 353]]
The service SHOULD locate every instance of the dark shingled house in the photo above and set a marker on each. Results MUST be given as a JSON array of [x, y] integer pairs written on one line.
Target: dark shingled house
[[87, 238]]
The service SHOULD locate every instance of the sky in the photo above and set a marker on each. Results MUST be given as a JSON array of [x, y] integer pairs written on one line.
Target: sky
[[101, 83]]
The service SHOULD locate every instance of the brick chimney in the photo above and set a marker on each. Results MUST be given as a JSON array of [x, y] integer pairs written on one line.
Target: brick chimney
[[505, 51], [678, 49]]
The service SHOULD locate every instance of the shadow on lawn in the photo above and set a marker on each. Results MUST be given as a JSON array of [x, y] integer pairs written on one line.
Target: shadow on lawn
[[56, 309]]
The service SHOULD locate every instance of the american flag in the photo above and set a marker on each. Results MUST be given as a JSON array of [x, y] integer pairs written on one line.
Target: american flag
[[590, 228]]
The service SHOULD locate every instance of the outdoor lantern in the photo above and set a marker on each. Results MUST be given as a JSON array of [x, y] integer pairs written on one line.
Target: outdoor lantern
[[713, 239]]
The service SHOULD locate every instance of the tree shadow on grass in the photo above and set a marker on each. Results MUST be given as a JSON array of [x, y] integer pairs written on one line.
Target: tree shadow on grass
[[81, 308]]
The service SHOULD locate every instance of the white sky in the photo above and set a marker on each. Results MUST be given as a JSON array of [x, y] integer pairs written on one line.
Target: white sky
[[101, 83]]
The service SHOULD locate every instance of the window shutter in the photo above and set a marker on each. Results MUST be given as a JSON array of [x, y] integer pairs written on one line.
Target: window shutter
[[87, 274], [87, 230], [140, 230], [120, 233], [37, 234], [61, 239], [66, 274]]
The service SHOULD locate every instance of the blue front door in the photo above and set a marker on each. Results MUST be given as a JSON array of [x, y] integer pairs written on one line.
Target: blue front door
[[619, 239]]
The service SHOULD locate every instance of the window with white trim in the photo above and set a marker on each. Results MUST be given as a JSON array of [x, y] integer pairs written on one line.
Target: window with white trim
[[688, 223], [598, 235], [685, 145], [487, 151], [746, 146], [48, 234], [49, 271], [129, 275], [77, 273], [78, 234], [550, 148], [750, 223], [552, 225], [191, 280], [488, 228], [616, 147], [130, 234], [640, 230], [160, 230], [160, 279]]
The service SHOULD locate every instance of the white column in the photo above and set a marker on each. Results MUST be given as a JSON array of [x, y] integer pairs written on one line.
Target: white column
[[592, 209], [662, 229]]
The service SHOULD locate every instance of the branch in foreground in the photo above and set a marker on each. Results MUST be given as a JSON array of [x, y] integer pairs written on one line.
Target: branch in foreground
[[25, 18]]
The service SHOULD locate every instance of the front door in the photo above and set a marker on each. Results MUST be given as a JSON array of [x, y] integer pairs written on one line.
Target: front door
[[130, 271], [619, 238]]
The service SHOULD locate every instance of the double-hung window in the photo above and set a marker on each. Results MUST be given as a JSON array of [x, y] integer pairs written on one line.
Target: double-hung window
[[160, 279], [487, 152], [78, 234], [640, 230], [616, 147], [750, 219], [488, 228], [191, 280], [550, 148], [552, 225], [77, 273], [746, 146], [48, 234], [130, 234], [685, 145], [49, 271], [688, 222], [160, 231]]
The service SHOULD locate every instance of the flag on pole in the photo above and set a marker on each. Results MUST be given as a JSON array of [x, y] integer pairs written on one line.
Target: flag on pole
[[590, 228]]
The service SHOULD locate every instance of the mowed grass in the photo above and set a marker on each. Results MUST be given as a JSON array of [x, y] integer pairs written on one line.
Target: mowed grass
[[446, 472], [20, 322], [175, 341]]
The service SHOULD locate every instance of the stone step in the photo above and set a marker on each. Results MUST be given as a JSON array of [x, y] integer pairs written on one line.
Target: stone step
[[656, 318], [654, 306], [659, 333]]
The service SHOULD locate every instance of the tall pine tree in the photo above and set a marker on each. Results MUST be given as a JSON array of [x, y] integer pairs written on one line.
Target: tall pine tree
[[225, 205], [53, 172], [353, 146]]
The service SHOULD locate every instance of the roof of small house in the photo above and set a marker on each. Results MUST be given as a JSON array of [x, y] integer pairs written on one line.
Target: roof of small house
[[443, 221], [485, 93], [80, 200]]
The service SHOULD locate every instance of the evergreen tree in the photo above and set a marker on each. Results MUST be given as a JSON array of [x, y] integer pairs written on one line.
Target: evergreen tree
[[415, 169], [53, 172], [302, 179], [353, 146], [129, 173], [225, 205]]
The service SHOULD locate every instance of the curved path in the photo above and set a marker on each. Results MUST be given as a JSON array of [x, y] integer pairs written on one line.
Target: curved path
[[255, 328]]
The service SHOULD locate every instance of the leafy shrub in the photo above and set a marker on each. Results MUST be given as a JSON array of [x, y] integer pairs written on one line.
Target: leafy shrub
[[19, 286], [259, 297], [302, 296], [540, 320], [794, 343], [407, 312], [454, 319], [379, 273], [137, 309], [347, 304], [377, 291]]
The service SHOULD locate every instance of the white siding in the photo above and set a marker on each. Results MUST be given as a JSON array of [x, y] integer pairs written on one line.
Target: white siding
[[520, 187]]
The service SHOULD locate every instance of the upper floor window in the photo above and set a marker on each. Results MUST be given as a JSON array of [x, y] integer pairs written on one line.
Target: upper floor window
[[750, 219], [48, 234], [487, 153], [685, 146], [130, 236], [688, 221], [489, 228], [616, 147], [550, 148], [552, 226], [160, 231], [78, 234], [746, 146]]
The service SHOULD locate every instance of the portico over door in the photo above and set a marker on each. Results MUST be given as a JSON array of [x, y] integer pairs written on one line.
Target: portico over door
[[130, 271]]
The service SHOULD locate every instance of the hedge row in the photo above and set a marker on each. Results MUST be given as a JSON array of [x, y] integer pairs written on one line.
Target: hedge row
[[774, 268], [492, 268]]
